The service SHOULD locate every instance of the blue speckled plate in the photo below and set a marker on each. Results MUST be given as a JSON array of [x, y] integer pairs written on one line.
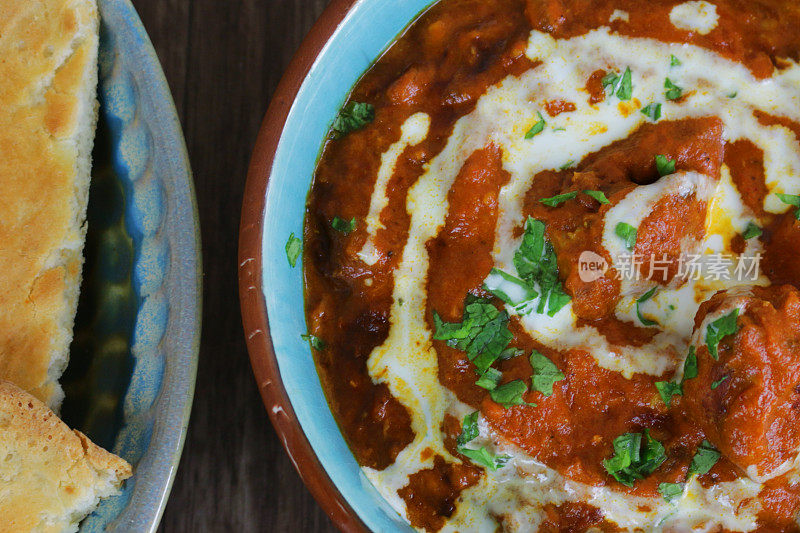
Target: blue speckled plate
[[131, 377]]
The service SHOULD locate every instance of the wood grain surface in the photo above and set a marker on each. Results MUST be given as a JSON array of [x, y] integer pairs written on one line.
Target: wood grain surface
[[223, 60]]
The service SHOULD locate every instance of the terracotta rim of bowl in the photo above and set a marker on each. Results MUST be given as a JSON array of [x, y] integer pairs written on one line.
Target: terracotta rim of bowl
[[254, 312]]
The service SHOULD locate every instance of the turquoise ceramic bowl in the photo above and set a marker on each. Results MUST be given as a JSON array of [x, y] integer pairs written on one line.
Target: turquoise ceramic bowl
[[343, 44], [130, 381]]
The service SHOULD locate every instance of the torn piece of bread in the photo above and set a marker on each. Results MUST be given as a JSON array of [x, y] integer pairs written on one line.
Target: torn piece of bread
[[51, 477], [48, 111]]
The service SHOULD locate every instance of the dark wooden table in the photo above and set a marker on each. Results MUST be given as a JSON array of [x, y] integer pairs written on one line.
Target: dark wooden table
[[223, 60]]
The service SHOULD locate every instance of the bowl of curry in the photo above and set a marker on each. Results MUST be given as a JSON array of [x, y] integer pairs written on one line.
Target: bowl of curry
[[532, 265]]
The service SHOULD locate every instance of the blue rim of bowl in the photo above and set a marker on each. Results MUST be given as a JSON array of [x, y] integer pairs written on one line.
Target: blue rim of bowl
[[341, 46], [150, 158], [251, 295]]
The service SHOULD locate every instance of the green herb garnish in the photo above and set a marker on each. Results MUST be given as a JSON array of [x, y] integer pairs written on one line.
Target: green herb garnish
[[484, 457], [668, 389], [537, 128], [490, 379], [634, 457], [469, 429], [545, 373], [652, 111], [510, 394], [510, 289], [345, 227], [509, 353], [719, 329], [752, 230], [316, 343], [791, 199], [690, 365], [643, 298], [625, 90], [674, 61], [673, 92], [610, 79], [535, 261], [597, 195], [566, 165], [664, 165], [622, 86], [671, 491], [352, 117], [481, 456], [627, 233], [483, 332], [293, 248], [559, 198], [704, 459], [718, 382]]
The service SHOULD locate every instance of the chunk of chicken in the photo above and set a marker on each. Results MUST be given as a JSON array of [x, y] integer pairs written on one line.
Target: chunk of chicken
[[747, 401]]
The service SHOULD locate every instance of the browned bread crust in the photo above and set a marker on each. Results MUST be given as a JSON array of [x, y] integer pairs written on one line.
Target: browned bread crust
[[51, 477], [48, 109]]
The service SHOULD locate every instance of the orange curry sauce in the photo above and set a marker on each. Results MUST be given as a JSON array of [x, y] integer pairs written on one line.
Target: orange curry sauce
[[443, 63]]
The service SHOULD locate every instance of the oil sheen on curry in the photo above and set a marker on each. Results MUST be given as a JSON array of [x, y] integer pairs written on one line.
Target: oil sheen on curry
[[551, 263]]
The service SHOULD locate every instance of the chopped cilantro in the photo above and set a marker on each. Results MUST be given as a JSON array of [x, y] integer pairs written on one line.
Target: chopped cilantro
[[791, 199], [352, 117], [625, 89], [664, 165], [673, 92], [718, 382], [733, 94], [704, 459], [343, 226], [537, 128], [545, 373], [316, 343], [690, 365], [510, 394], [481, 456], [558, 299], [627, 233], [484, 457], [483, 332], [489, 379], [674, 61], [535, 261], [668, 389], [566, 165], [559, 128], [508, 288], [610, 79], [652, 111], [509, 353], [597, 195], [559, 198], [634, 457], [752, 230], [469, 429], [643, 298], [293, 248], [671, 491], [622, 86], [719, 329]]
